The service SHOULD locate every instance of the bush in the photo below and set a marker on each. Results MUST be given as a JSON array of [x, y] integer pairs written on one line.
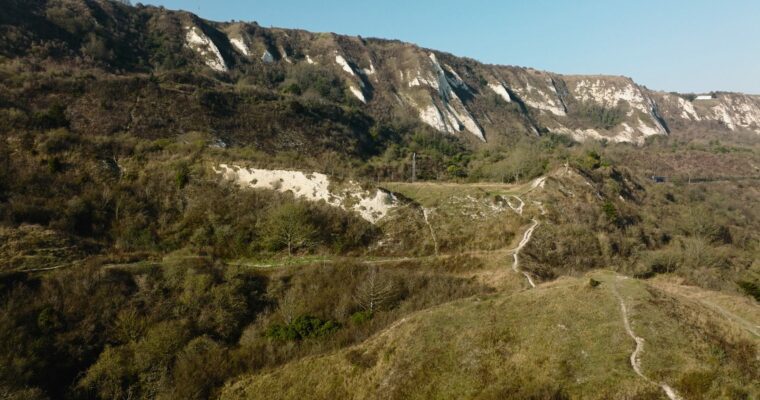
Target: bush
[[598, 116], [610, 211], [361, 317], [53, 117], [750, 288], [182, 175], [303, 327]]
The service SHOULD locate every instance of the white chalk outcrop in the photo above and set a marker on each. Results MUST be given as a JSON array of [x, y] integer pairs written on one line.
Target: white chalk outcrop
[[610, 92], [451, 116], [358, 92], [240, 45], [687, 109], [316, 187], [735, 111], [267, 57], [500, 90], [341, 61], [199, 42], [537, 98]]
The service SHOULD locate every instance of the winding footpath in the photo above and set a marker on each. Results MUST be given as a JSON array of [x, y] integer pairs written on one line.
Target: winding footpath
[[518, 209], [516, 254], [636, 355], [432, 232]]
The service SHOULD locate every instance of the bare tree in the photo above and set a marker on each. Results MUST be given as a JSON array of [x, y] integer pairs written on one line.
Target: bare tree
[[375, 291], [289, 226]]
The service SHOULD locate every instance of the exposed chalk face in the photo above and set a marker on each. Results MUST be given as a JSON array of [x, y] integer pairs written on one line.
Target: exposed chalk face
[[267, 57], [309, 60], [284, 55], [432, 116], [340, 60], [458, 114], [609, 94], [369, 71], [371, 205], [720, 113], [357, 93], [239, 44], [452, 116], [541, 100], [688, 110], [500, 90], [205, 47], [740, 111], [735, 111]]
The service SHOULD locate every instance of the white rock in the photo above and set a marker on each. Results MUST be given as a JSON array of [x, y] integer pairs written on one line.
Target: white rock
[[541, 100], [372, 206], [648, 130], [284, 55], [344, 64], [722, 114], [267, 57], [688, 110], [205, 47], [370, 70], [432, 116], [239, 44], [608, 94], [357, 93], [500, 90]]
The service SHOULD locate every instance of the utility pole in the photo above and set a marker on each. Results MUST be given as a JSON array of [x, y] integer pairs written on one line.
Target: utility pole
[[414, 166]]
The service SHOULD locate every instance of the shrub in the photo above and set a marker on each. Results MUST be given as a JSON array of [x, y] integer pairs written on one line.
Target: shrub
[[610, 211], [750, 288], [53, 117], [182, 175], [361, 317], [598, 116], [303, 327]]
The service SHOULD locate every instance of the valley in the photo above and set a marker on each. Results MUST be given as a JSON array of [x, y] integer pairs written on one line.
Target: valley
[[193, 209]]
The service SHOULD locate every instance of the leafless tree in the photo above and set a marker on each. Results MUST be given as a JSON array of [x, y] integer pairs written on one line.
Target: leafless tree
[[375, 291]]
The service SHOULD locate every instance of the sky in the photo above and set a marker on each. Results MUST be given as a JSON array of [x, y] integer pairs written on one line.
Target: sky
[[672, 45]]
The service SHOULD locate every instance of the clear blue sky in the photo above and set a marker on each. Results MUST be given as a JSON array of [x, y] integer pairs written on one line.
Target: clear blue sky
[[673, 45]]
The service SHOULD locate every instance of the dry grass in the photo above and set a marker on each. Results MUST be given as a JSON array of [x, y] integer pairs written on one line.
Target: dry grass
[[562, 338]]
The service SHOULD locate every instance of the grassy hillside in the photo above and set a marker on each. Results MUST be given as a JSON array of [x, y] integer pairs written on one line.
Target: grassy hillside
[[561, 340], [131, 268]]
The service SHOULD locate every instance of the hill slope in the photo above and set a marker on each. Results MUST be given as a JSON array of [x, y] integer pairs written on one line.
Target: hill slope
[[383, 80], [565, 339]]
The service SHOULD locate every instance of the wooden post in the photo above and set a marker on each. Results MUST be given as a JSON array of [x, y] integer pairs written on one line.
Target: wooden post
[[414, 166]]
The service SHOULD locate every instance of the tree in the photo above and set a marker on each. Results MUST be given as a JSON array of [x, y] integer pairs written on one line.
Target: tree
[[201, 366], [289, 226], [375, 291]]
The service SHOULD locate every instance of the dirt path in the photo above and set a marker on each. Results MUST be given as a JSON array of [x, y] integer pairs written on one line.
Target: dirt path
[[635, 356], [425, 212], [516, 263], [518, 209]]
